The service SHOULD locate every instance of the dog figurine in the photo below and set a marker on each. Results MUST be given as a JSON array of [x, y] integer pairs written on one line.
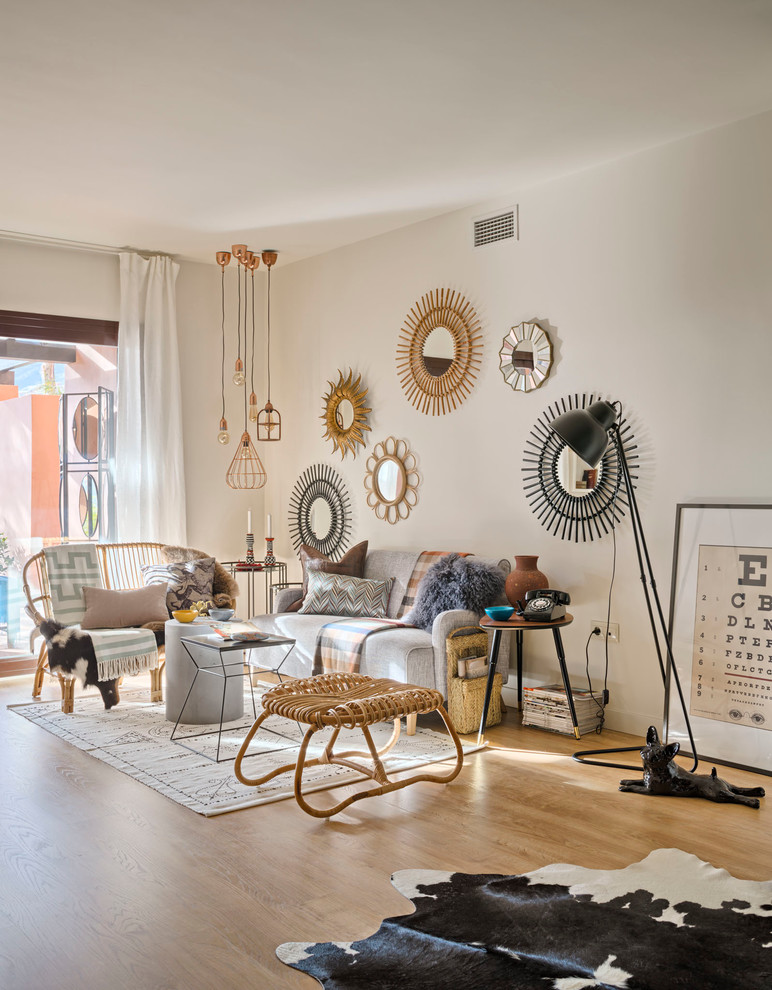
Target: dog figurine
[[662, 776], [71, 654]]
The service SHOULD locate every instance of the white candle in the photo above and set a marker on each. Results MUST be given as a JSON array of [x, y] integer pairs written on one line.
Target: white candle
[[268, 531], [249, 520]]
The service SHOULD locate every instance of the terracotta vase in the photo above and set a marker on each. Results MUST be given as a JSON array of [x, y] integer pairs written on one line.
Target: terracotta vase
[[525, 577]]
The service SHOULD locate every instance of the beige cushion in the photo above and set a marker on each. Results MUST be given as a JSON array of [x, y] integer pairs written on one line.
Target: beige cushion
[[116, 609]]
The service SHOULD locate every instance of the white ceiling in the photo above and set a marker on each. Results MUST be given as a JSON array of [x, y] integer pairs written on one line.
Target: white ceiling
[[186, 125]]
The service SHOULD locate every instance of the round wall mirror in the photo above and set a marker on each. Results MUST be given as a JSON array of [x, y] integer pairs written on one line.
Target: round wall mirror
[[88, 504], [575, 476], [345, 414], [438, 354], [320, 518], [439, 351], [85, 428], [392, 480], [525, 358], [571, 499], [320, 511]]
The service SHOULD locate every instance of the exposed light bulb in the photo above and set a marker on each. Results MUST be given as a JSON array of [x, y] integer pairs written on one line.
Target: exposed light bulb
[[224, 437], [253, 408], [238, 375]]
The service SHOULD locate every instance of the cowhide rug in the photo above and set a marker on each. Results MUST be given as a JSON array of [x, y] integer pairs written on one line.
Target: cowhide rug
[[670, 921]]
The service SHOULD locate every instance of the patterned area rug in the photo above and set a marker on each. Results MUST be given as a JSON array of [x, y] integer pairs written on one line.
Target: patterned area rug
[[134, 738], [668, 921]]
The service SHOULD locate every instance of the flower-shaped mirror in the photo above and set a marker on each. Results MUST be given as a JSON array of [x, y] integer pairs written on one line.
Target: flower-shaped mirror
[[320, 511], [526, 357], [438, 355], [345, 414], [392, 480]]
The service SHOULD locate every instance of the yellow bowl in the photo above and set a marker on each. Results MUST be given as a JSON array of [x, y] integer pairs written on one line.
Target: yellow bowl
[[184, 615]]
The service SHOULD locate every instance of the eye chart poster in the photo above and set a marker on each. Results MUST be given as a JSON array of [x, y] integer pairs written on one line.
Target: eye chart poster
[[721, 633], [732, 650]]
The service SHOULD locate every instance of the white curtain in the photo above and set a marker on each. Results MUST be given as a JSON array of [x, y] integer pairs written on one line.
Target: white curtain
[[150, 477]]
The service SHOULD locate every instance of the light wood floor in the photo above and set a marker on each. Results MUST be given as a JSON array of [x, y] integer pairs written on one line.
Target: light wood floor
[[107, 884]]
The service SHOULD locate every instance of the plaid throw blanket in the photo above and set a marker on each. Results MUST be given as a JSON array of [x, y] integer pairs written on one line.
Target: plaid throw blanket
[[422, 565], [72, 566], [339, 644]]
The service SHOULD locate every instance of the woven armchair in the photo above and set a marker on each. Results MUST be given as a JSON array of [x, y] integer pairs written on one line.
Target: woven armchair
[[121, 566]]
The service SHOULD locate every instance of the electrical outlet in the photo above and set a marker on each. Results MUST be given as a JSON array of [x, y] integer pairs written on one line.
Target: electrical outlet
[[613, 629]]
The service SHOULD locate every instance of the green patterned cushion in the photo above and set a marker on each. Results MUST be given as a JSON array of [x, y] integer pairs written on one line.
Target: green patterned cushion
[[338, 594]]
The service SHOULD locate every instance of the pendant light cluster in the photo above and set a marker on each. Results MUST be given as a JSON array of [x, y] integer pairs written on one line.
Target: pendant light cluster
[[246, 469]]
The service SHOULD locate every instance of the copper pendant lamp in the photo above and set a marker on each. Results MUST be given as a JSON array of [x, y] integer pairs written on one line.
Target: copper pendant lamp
[[223, 259], [269, 418]]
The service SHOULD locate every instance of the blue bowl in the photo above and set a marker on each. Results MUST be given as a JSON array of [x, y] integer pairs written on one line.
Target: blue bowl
[[499, 613]]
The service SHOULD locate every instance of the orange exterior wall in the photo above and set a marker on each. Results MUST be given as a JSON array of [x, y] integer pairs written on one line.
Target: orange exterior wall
[[9, 392], [44, 479]]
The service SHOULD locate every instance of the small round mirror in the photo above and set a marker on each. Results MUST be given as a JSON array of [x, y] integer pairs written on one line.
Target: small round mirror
[[522, 357], [390, 480], [344, 414], [88, 503], [439, 350], [576, 477], [85, 428], [320, 518]]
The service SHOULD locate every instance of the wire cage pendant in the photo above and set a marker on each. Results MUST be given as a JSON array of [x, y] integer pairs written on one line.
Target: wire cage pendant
[[246, 469], [269, 423]]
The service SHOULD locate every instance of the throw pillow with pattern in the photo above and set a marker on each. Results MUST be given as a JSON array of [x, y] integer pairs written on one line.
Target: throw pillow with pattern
[[338, 594], [186, 583], [351, 563]]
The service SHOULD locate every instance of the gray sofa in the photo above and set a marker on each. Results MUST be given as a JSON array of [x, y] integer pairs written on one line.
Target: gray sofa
[[411, 655]]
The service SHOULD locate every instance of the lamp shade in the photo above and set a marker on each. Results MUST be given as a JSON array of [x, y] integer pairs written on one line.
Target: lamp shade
[[586, 430]]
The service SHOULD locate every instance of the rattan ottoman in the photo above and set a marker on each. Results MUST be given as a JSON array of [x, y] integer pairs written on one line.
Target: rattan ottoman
[[348, 701]]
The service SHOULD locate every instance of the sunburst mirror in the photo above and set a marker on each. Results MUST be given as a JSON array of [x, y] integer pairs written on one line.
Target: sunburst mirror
[[571, 499], [439, 350], [345, 414], [525, 358], [392, 480], [320, 511]]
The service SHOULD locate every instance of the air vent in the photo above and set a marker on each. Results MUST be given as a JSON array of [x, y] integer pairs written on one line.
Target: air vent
[[499, 227]]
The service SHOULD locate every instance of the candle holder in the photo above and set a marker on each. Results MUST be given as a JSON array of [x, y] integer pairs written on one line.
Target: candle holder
[[250, 559], [270, 560]]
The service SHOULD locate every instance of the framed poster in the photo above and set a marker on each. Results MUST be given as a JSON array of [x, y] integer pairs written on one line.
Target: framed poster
[[721, 631]]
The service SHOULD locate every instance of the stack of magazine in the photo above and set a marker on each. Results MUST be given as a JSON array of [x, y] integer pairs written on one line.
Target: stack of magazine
[[547, 708]]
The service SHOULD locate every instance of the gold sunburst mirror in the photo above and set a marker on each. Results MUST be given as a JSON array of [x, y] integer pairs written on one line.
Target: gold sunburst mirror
[[345, 414], [525, 358], [438, 355]]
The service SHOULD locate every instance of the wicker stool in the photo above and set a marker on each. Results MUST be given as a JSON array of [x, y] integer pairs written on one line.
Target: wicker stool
[[348, 701]]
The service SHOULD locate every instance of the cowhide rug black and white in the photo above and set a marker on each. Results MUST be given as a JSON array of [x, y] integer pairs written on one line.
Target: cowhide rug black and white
[[670, 921]]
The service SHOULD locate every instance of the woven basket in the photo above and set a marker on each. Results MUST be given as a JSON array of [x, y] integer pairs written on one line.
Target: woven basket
[[467, 697]]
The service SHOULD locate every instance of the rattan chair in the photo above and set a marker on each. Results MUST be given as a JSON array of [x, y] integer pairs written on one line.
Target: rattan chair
[[121, 566], [348, 701]]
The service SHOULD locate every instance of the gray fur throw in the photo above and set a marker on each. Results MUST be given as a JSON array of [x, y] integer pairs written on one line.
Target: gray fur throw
[[455, 582]]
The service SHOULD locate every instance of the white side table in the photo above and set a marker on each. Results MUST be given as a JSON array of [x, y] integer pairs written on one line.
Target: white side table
[[205, 704]]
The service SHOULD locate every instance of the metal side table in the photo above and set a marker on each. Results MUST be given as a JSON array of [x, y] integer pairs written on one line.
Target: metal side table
[[213, 656], [519, 626]]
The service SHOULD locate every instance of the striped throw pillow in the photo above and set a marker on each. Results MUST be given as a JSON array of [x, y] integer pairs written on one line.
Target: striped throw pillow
[[338, 594]]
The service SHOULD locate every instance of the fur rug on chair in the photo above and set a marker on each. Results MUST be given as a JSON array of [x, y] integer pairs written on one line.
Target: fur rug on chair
[[455, 582]]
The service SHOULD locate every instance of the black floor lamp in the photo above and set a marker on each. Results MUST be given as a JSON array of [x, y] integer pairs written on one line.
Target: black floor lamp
[[588, 433]]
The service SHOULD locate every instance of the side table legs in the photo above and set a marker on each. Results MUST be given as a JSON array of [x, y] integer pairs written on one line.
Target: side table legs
[[566, 682], [493, 659]]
